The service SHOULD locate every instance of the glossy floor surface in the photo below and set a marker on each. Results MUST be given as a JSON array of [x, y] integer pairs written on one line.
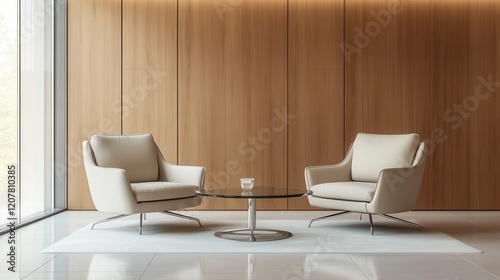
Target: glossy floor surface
[[478, 229]]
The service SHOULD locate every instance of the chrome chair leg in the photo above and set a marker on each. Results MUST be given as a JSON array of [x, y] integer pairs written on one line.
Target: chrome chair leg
[[140, 224], [328, 216], [371, 223], [182, 216], [370, 216], [400, 220], [109, 219]]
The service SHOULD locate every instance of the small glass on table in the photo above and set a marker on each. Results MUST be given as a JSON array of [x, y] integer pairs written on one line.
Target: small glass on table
[[246, 184]]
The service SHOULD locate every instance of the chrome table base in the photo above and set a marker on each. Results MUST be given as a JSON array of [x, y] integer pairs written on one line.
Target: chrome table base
[[253, 234], [256, 235]]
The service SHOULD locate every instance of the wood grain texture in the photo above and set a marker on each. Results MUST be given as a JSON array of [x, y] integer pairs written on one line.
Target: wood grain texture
[[255, 73], [483, 145], [388, 67], [94, 84], [462, 169], [474, 139], [419, 74], [411, 70], [450, 172], [149, 34], [150, 106], [150, 71], [495, 126], [201, 95], [413, 79], [232, 90], [389, 72], [315, 89]]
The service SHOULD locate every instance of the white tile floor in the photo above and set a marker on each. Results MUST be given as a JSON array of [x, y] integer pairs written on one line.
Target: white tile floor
[[479, 229]]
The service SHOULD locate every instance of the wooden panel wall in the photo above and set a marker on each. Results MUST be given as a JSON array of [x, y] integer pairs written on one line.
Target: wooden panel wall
[[214, 81], [315, 88], [232, 94], [255, 68], [388, 56], [388, 69], [202, 100], [450, 173], [484, 143], [417, 70], [466, 62], [150, 71], [94, 84]]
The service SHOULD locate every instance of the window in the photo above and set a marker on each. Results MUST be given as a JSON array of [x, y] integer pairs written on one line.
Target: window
[[8, 96], [33, 106]]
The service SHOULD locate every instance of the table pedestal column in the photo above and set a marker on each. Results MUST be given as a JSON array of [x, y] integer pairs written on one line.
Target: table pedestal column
[[252, 233]]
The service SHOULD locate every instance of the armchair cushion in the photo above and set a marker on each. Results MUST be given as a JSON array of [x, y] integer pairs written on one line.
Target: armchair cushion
[[352, 191], [136, 154], [372, 153], [154, 191]]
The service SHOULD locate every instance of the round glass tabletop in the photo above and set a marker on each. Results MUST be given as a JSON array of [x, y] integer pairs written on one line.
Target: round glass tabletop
[[256, 192]]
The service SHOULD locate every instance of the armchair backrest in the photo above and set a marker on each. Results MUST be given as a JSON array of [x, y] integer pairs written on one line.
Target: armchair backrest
[[374, 152], [136, 154]]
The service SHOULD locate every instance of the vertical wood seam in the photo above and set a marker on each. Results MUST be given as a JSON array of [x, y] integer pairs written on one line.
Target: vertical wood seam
[[121, 67], [177, 83], [287, 176], [344, 79]]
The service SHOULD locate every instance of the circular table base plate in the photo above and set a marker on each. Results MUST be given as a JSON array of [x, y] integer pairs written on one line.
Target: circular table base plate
[[258, 235]]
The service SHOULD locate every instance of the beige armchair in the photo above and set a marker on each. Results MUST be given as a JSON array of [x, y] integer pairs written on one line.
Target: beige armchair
[[127, 175], [380, 175]]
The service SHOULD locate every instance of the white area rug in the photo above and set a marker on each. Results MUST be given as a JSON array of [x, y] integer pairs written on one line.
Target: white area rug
[[329, 236]]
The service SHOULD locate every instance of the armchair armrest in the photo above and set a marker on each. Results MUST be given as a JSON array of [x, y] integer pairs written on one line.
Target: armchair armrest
[[109, 187], [191, 175], [320, 174], [398, 188]]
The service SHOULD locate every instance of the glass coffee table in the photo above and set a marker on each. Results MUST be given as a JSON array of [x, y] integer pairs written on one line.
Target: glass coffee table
[[252, 233]]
